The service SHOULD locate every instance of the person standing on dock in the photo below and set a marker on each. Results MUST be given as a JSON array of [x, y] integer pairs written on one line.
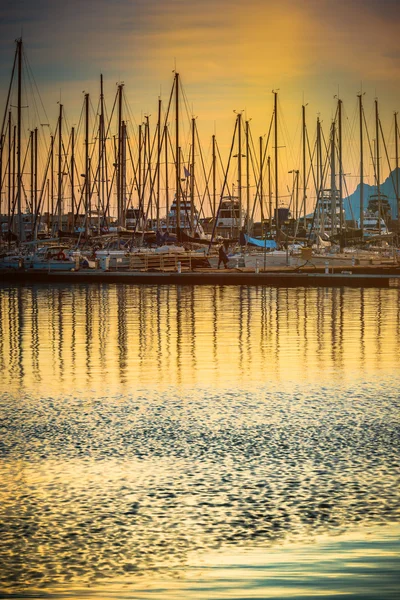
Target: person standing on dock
[[222, 257]]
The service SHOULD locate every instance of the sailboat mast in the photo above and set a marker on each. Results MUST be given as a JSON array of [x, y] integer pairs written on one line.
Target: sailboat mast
[[378, 172], [147, 168], [141, 208], [304, 168], [9, 175], [247, 179], [341, 223], [319, 177], [192, 177], [177, 155], [239, 155], [214, 203], [14, 144], [361, 167], [276, 164], [123, 175], [333, 179], [73, 179], [19, 127], [396, 145], [158, 163], [32, 175], [59, 188], [269, 193], [87, 191], [36, 174], [52, 183], [1, 174], [261, 184], [119, 159], [166, 175], [100, 185]]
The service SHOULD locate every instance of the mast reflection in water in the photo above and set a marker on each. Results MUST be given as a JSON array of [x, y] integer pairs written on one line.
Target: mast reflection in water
[[149, 430]]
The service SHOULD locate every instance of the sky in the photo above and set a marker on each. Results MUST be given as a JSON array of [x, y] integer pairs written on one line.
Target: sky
[[230, 55]]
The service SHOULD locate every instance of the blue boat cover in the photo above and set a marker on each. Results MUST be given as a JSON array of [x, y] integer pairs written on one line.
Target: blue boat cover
[[261, 243]]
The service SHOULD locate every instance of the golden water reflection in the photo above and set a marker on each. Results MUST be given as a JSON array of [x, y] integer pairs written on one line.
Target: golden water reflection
[[150, 431], [103, 337]]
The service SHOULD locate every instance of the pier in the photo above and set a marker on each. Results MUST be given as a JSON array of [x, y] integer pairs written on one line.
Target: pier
[[278, 277]]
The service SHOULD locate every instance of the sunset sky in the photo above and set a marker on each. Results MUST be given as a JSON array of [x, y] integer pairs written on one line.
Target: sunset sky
[[230, 56]]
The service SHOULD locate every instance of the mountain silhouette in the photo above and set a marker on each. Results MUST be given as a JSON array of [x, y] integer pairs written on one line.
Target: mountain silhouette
[[388, 188]]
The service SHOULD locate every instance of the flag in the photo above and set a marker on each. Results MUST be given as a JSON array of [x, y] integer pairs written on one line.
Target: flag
[[187, 173]]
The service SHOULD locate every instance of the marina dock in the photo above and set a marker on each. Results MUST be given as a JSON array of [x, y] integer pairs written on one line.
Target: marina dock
[[278, 277]]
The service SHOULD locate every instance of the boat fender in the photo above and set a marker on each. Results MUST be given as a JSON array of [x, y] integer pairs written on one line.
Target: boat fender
[[61, 255]]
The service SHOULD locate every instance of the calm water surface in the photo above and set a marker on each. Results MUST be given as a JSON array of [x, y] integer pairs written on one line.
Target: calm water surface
[[199, 442]]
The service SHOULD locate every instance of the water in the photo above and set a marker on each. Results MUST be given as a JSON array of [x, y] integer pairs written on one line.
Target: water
[[199, 442]]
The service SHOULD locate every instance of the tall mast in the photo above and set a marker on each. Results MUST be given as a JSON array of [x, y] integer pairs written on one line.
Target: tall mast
[[396, 145], [333, 179], [59, 197], [1, 174], [177, 154], [147, 167], [36, 174], [276, 164], [123, 175], [192, 178], [166, 175], [9, 175], [100, 187], [361, 167], [119, 159], [87, 184], [239, 117], [378, 171], [261, 185], [158, 163], [269, 193], [247, 179], [304, 168], [319, 178], [32, 177], [52, 183], [14, 144], [341, 224], [141, 208], [214, 207], [73, 179], [19, 182]]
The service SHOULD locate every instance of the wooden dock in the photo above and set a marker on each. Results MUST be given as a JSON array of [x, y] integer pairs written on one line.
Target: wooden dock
[[278, 277]]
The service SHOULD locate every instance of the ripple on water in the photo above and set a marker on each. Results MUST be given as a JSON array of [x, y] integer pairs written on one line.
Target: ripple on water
[[95, 488]]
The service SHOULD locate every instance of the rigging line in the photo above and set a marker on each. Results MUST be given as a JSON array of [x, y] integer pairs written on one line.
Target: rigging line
[[224, 185], [151, 193], [387, 157], [303, 205], [141, 198], [268, 138], [35, 84], [94, 150], [222, 166], [257, 194], [9, 92], [206, 191], [16, 191], [322, 186], [6, 165], [370, 148], [38, 214]]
